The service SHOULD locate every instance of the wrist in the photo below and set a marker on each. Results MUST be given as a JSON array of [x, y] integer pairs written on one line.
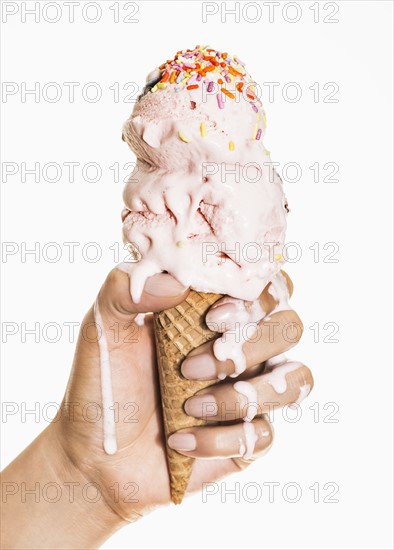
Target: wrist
[[48, 502], [85, 496]]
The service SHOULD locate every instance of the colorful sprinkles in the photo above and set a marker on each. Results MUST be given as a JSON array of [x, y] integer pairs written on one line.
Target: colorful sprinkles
[[208, 67], [183, 137]]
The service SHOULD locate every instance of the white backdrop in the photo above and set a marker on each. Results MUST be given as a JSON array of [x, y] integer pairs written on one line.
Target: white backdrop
[[341, 445]]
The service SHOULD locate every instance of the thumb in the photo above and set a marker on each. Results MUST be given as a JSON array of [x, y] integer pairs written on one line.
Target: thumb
[[161, 291]]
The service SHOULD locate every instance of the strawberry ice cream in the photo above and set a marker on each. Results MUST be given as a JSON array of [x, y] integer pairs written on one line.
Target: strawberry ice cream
[[203, 202]]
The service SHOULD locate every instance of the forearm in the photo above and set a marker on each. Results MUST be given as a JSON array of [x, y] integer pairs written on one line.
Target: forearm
[[48, 503]]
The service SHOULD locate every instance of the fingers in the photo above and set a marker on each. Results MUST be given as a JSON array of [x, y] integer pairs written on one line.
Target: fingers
[[161, 291], [274, 336], [245, 439], [251, 333], [271, 337], [228, 311], [286, 383]]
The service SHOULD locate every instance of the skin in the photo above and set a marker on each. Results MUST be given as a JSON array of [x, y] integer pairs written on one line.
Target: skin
[[135, 480]]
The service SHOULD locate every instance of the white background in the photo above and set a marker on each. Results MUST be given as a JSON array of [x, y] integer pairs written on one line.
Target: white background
[[355, 373]]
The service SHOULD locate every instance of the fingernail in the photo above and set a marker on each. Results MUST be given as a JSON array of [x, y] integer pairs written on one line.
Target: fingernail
[[221, 314], [182, 442], [163, 284], [201, 406], [199, 367]]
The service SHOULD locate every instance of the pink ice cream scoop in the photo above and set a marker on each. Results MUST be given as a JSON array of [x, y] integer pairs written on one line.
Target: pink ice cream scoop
[[203, 202]]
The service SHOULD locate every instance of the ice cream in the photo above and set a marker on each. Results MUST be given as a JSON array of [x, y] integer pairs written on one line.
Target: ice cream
[[203, 202], [205, 205]]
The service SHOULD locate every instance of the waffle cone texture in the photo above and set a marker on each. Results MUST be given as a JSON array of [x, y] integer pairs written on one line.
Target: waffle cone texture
[[178, 331]]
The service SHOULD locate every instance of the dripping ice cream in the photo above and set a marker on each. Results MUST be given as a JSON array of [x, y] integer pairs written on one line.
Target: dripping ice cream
[[203, 202]]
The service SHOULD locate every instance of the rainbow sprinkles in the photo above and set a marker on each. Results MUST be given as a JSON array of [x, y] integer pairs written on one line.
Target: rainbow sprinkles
[[220, 73]]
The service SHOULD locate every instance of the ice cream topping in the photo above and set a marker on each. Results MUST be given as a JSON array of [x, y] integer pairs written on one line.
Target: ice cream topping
[[203, 202]]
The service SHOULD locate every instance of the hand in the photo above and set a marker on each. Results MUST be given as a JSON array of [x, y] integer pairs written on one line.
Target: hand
[[269, 381], [135, 479], [140, 463]]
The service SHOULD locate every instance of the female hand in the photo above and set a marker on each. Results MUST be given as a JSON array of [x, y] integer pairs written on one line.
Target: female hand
[[135, 479], [141, 457]]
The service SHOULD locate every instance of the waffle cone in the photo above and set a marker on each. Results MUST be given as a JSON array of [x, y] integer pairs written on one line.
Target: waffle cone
[[178, 331]]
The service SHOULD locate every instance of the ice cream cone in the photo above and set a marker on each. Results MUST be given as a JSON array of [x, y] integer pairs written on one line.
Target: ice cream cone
[[193, 222], [178, 331]]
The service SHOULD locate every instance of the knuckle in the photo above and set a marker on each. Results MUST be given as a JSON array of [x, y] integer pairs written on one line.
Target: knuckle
[[293, 327], [265, 434], [307, 376]]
